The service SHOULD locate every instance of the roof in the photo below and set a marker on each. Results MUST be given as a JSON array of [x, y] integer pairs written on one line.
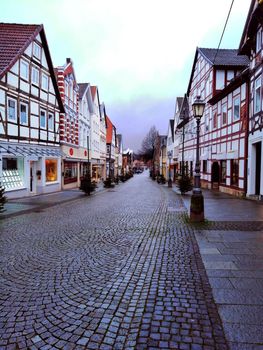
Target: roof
[[254, 17], [224, 57], [109, 130], [14, 40], [82, 89], [179, 101], [219, 58]]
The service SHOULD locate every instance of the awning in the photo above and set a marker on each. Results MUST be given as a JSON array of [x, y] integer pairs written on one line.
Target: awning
[[19, 150]]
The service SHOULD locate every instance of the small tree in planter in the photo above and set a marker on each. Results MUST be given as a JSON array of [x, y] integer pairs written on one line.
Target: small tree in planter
[[108, 183], [3, 198], [185, 184], [161, 179], [86, 185], [116, 179]]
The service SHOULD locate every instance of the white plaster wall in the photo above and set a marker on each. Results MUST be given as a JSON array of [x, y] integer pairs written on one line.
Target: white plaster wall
[[12, 79]]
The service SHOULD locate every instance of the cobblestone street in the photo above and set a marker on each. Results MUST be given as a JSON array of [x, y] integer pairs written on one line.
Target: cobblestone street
[[118, 270]]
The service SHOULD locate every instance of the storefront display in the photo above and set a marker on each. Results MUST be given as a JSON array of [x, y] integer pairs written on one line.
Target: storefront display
[[13, 173], [51, 170], [84, 168], [70, 172]]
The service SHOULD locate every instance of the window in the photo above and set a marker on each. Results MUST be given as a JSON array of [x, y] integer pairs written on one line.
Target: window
[[37, 51], [234, 172], [43, 119], [51, 121], [51, 170], [23, 113], [215, 120], [11, 114], [24, 69], [258, 40], [224, 114], [35, 76], [223, 171], [44, 81], [13, 173], [236, 108], [204, 166], [257, 95], [220, 79], [70, 172]]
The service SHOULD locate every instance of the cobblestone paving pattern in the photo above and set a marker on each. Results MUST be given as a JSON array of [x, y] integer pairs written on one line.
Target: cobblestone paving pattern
[[120, 270]]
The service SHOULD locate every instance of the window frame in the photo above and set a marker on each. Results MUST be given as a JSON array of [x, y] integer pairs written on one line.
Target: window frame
[[44, 75], [20, 117], [34, 69], [26, 64], [258, 40], [40, 118], [53, 121], [256, 89], [223, 178], [224, 112], [234, 108], [15, 110], [37, 53]]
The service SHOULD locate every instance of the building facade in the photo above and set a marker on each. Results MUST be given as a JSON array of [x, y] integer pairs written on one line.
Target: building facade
[[30, 107]]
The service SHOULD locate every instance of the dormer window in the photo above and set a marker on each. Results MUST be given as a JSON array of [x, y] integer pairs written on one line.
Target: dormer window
[[259, 40], [37, 51]]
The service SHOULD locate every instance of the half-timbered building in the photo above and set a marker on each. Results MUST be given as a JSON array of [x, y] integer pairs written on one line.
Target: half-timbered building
[[85, 111], [251, 44], [30, 105], [69, 125], [218, 77], [111, 143], [103, 146]]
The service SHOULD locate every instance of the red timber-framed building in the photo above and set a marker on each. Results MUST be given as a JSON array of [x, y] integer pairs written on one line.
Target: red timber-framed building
[[30, 104], [251, 44], [69, 126], [220, 77]]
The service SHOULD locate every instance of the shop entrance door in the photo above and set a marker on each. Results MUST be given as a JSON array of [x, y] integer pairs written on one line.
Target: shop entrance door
[[258, 168], [32, 177]]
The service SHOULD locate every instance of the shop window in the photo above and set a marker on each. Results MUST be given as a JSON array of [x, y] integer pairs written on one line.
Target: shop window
[[234, 172], [11, 115], [70, 172], [51, 170], [13, 173], [223, 171], [215, 120], [84, 168]]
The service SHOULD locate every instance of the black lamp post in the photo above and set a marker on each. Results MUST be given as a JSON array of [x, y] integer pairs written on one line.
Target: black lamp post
[[197, 199], [170, 184]]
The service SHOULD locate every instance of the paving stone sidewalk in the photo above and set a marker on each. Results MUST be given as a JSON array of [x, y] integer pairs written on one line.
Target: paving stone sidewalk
[[121, 270]]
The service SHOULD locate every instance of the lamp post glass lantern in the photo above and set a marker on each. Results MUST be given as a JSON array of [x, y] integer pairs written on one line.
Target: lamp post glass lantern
[[170, 180], [197, 199]]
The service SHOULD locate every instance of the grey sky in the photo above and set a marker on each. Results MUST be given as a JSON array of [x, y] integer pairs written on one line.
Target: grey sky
[[138, 52]]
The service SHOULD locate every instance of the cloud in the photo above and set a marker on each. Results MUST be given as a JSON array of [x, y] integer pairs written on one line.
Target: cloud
[[133, 50]]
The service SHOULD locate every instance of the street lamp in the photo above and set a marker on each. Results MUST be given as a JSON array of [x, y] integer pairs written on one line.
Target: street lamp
[[197, 199], [170, 184]]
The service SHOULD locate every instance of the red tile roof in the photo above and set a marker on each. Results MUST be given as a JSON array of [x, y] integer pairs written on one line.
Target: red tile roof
[[109, 130], [14, 39]]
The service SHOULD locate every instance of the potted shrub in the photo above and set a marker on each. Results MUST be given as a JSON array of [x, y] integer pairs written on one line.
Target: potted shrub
[[185, 184], [3, 198], [108, 183], [86, 185]]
